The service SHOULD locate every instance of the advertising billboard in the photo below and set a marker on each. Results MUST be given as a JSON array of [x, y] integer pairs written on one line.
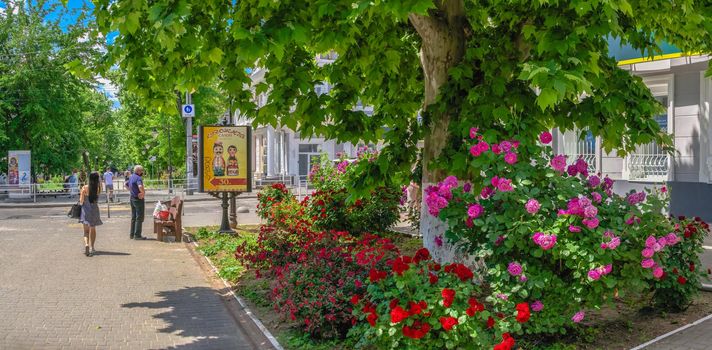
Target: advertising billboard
[[224, 156], [19, 168]]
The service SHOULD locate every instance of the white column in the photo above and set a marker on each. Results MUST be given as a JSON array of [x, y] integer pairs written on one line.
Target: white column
[[269, 148]]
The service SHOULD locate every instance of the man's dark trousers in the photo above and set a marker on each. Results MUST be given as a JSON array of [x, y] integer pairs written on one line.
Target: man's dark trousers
[[138, 208]]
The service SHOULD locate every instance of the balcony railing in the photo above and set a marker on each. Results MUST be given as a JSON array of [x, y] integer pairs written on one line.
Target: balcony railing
[[649, 162]]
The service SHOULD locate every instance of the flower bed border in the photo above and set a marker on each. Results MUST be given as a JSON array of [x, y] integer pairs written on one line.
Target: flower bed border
[[243, 305]]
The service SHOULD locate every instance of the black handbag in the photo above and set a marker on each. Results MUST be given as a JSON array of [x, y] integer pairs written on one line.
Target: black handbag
[[76, 211]]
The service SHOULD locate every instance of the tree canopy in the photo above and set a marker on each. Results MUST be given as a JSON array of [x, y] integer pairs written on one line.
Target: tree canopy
[[43, 107], [515, 66]]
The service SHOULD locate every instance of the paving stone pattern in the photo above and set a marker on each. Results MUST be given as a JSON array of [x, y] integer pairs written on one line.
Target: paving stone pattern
[[131, 295]]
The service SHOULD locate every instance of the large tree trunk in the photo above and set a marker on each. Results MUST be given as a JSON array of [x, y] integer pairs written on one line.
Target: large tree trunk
[[443, 45]]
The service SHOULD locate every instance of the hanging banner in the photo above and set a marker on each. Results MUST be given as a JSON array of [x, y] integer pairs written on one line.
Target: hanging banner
[[19, 168], [225, 158]]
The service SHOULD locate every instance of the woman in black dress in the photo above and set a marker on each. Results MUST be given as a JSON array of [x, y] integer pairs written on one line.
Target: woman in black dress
[[89, 198]]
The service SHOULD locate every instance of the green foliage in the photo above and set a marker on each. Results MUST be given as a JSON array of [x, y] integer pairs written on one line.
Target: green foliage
[[221, 247], [330, 206], [43, 107], [529, 65]]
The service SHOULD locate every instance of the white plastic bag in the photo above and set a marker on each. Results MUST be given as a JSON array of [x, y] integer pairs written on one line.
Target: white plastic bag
[[157, 209]]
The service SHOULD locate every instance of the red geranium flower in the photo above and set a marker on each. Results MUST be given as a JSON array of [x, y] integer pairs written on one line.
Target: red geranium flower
[[506, 344], [692, 267], [523, 312], [394, 303], [448, 322], [398, 314], [416, 308], [448, 297], [417, 331], [490, 322], [681, 280], [421, 255], [474, 308], [375, 275], [355, 299], [371, 318], [434, 266], [433, 278], [399, 265]]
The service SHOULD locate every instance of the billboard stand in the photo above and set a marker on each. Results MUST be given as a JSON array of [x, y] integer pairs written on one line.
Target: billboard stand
[[225, 225], [224, 165]]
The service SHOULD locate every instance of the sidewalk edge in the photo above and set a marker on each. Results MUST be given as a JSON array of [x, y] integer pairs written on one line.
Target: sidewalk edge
[[244, 306], [673, 332]]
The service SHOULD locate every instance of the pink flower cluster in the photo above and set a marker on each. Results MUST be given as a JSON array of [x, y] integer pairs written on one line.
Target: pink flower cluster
[[613, 241], [558, 163], [514, 268], [584, 208], [631, 220], [545, 241], [598, 272], [636, 197], [532, 206], [341, 167], [438, 196], [537, 306], [654, 245], [579, 167], [507, 147], [475, 210], [502, 184], [578, 317]]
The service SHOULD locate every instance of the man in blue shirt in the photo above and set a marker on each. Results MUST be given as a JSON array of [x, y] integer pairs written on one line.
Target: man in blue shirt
[[138, 206]]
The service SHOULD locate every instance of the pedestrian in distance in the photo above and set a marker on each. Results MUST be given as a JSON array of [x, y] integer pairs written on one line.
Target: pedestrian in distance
[[138, 205], [90, 217], [73, 183], [109, 183]]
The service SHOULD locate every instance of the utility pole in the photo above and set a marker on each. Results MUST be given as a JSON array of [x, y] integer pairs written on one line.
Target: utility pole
[[233, 201], [189, 147]]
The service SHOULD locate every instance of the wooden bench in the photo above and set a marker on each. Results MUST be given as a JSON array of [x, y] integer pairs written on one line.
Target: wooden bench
[[173, 226]]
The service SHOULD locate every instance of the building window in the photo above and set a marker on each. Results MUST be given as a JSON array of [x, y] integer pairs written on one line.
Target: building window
[[580, 144], [308, 148], [650, 162]]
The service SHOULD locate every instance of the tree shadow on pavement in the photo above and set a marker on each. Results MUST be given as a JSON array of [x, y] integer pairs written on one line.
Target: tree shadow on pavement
[[99, 252], [199, 314]]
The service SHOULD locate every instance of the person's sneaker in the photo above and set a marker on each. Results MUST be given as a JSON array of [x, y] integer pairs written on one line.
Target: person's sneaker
[[91, 252], [86, 250], [139, 238]]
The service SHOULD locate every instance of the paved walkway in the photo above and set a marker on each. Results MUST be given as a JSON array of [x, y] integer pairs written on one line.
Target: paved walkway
[[132, 295], [696, 337]]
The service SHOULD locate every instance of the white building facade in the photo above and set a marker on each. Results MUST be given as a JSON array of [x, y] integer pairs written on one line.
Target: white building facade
[[679, 83]]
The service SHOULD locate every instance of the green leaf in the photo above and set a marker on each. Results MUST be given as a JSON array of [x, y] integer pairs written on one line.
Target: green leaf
[[215, 55], [546, 99], [132, 22]]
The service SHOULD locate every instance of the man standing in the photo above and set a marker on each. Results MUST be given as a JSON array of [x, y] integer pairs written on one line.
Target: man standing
[[109, 183], [138, 205]]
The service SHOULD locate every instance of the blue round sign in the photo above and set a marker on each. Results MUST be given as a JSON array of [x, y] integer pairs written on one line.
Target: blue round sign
[[188, 109]]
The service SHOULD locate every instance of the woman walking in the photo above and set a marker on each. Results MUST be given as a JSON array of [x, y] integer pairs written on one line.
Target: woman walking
[[89, 198]]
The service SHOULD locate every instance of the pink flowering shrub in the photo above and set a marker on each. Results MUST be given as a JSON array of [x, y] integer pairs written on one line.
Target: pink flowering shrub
[[552, 235]]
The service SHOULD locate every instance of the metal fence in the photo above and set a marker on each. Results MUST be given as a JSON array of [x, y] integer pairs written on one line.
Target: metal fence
[[71, 190], [648, 162], [576, 147]]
